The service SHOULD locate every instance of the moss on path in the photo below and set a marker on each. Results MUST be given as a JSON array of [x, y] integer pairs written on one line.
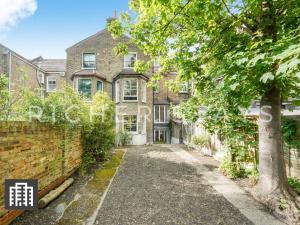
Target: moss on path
[[80, 210]]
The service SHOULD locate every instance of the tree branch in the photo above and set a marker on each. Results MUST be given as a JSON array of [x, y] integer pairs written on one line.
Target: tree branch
[[251, 29]]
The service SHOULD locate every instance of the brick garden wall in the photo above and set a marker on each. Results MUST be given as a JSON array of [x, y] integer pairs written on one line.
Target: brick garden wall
[[36, 151]]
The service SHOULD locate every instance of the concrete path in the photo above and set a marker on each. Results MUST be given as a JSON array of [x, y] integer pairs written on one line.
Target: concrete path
[[163, 184]]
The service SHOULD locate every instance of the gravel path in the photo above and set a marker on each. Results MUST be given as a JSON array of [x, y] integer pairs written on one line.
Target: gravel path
[[156, 186]]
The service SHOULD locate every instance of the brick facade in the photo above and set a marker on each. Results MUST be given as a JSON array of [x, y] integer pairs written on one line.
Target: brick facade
[[36, 151], [21, 72]]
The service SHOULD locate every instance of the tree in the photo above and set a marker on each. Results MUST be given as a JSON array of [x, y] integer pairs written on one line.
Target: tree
[[236, 50]]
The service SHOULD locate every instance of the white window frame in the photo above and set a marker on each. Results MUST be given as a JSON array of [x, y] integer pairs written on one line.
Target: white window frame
[[47, 85], [136, 58], [166, 114], [137, 124], [137, 90], [144, 91], [117, 92], [156, 83], [41, 78], [184, 84], [102, 85], [82, 60]]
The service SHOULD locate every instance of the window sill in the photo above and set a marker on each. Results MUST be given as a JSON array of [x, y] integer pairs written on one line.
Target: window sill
[[130, 100], [88, 68]]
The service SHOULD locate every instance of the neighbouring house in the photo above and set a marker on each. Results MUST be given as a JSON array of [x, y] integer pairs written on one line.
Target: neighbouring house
[[93, 66], [54, 73], [20, 71]]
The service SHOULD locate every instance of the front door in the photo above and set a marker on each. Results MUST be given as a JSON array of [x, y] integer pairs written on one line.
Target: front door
[[160, 136]]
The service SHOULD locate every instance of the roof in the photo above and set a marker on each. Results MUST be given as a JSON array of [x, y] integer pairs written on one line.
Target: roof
[[95, 35], [50, 65], [21, 57], [88, 73], [130, 73]]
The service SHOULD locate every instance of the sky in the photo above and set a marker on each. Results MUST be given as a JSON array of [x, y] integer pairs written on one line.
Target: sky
[[46, 28]]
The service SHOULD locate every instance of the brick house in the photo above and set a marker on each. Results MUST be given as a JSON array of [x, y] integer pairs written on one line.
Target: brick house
[[54, 73], [93, 66], [20, 71]]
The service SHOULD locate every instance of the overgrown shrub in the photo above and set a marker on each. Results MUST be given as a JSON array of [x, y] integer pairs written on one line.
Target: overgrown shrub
[[98, 134], [201, 141], [11, 103], [232, 169], [124, 138]]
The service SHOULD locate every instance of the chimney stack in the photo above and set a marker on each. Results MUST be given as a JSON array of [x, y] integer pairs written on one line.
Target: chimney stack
[[109, 19]]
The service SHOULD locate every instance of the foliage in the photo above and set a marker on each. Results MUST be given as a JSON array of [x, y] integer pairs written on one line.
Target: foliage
[[295, 184], [10, 101], [234, 51], [64, 108], [98, 135], [124, 138], [201, 141], [289, 131], [232, 169]]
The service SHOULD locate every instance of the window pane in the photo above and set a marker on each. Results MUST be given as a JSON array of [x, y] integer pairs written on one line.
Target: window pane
[[85, 87], [129, 60], [89, 60], [130, 90], [100, 86], [162, 113], [130, 123], [156, 113], [51, 85]]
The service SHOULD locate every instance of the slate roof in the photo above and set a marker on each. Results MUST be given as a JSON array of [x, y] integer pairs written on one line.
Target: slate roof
[[88, 73], [50, 65]]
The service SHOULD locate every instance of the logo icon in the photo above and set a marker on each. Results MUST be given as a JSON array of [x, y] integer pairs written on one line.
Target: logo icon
[[21, 194]]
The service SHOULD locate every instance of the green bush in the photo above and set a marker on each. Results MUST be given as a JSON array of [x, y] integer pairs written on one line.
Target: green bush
[[201, 141], [232, 169], [295, 184], [124, 138], [98, 134]]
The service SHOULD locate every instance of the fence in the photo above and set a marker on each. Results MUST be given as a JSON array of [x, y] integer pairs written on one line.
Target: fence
[[36, 151], [218, 149]]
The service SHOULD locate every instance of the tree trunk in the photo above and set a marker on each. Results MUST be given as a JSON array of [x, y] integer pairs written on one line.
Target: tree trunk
[[271, 158], [272, 188]]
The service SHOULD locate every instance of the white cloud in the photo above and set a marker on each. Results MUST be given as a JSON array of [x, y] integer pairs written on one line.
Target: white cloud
[[11, 11]]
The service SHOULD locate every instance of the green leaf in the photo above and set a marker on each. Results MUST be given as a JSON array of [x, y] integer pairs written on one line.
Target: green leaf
[[266, 77], [233, 86], [296, 102]]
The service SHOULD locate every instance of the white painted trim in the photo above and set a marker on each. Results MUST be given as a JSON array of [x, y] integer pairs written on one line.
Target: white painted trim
[[125, 67], [165, 114], [51, 77], [102, 85], [137, 124], [82, 67]]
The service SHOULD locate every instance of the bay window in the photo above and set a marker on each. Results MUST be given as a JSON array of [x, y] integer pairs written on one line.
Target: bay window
[[85, 87], [130, 123]]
